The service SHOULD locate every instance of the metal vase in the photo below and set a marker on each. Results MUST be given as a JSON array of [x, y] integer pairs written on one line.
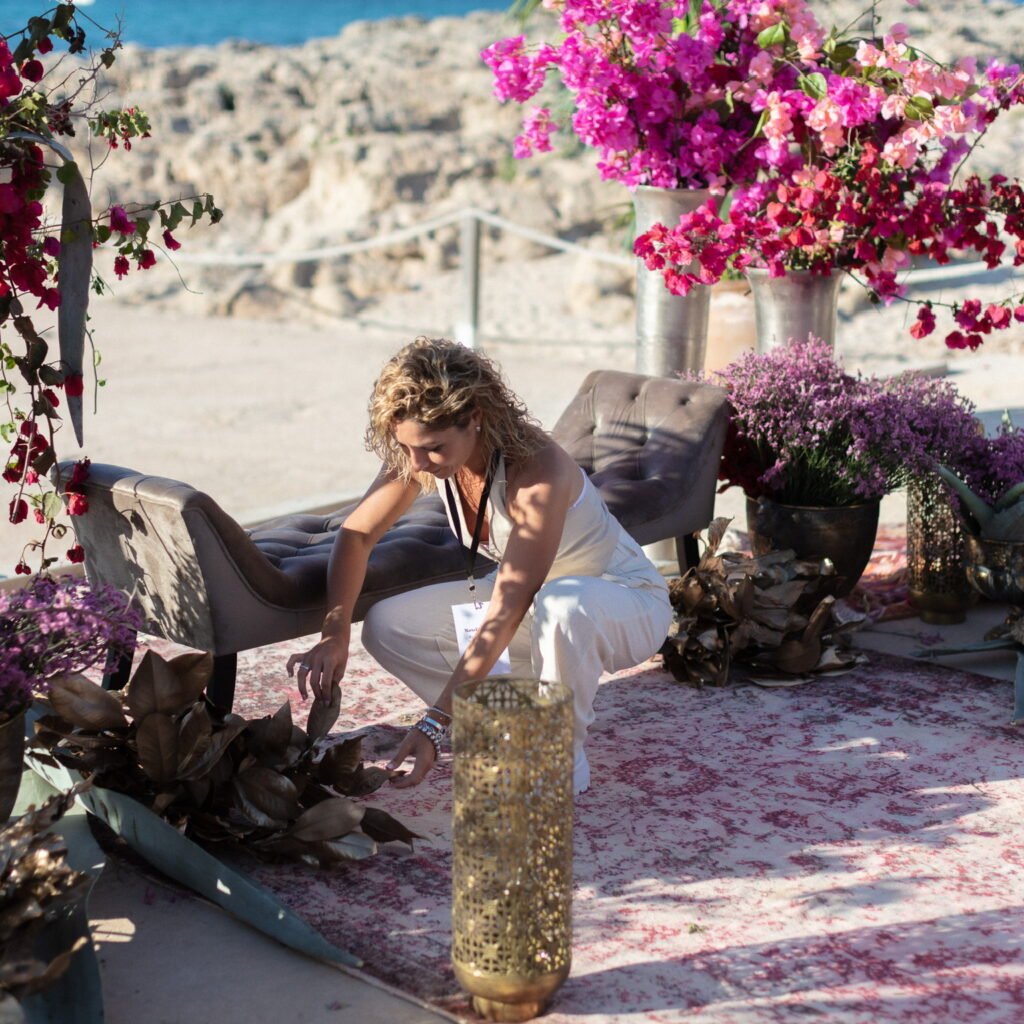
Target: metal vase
[[936, 574], [794, 306], [12, 752], [671, 330], [845, 535], [512, 843], [995, 568]]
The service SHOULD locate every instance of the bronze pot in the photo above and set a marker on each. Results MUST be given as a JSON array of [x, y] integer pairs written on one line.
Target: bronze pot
[[844, 535], [995, 568]]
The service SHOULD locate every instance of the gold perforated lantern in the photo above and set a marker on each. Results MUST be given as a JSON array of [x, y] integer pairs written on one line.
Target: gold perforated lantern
[[512, 843]]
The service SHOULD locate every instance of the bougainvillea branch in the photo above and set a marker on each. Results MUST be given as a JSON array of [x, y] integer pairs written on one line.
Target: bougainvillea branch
[[46, 266]]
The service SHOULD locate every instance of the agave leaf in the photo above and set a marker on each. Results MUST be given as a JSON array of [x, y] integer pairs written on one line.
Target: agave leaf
[[168, 686], [977, 508], [323, 716], [86, 705], [329, 819], [156, 739], [1006, 525], [1011, 497]]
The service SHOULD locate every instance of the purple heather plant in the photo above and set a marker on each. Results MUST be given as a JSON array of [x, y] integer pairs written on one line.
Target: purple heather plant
[[806, 432], [55, 626], [992, 465]]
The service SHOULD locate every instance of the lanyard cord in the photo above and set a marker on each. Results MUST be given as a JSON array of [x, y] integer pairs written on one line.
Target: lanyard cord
[[480, 513]]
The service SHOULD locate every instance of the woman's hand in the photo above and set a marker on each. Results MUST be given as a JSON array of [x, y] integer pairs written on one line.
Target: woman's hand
[[417, 746], [322, 667]]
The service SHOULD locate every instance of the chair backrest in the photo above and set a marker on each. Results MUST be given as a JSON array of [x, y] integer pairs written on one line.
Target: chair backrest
[[651, 445]]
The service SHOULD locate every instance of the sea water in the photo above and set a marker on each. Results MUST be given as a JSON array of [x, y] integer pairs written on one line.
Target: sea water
[[207, 22]]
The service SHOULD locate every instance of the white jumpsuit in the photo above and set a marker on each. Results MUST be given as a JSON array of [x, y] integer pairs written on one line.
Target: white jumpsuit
[[602, 607]]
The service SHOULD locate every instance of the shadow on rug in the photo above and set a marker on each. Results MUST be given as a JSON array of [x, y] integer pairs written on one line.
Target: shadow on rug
[[847, 849]]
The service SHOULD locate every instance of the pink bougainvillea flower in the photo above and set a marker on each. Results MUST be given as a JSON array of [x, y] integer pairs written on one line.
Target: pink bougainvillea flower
[[119, 221], [18, 510], [121, 265], [45, 45], [23, 569], [147, 259], [76, 554], [74, 385], [81, 471], [78, 504], [51, 246], [170, 241]]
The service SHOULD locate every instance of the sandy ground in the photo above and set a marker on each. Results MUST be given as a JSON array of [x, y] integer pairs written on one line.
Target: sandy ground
[[267, 416]]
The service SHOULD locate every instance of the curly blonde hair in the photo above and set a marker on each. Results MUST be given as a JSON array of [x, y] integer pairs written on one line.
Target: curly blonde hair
[[439, 383]]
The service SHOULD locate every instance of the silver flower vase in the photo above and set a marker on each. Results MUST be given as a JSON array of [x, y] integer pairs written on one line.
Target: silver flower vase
[[794, 306], [671, 330]]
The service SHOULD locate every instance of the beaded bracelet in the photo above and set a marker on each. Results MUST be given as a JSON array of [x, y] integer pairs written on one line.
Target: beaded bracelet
[[433, 732]]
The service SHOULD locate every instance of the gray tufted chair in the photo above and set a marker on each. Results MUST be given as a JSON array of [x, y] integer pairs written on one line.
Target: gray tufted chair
[[651, 445]]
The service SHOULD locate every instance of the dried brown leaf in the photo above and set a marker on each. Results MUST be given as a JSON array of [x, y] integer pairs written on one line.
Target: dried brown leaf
[[156, 739], [86, 705], [323, 716], [195, 734], [268, 798], [383, 828], [168, 687], [232, 727], [329, 819]]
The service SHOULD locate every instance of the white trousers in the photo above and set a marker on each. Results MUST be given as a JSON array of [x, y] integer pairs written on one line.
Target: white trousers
[[577, 628]]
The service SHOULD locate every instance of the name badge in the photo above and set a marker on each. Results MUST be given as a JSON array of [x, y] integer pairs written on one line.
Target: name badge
[[468, 619]]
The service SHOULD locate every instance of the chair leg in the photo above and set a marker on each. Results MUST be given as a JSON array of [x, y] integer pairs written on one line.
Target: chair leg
[[221, 688], [687, 551], [118, 668]]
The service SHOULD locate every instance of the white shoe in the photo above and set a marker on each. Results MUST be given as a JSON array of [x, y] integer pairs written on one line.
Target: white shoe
[[580, 773]]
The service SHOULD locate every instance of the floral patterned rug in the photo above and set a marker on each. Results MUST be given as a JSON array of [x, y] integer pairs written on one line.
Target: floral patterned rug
[[847, 850]]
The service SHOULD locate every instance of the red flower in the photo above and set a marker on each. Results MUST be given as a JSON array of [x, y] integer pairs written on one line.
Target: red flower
[[32, 70], [22, 569], [925, 323], [45, 45], [78, 504], [147, 259], [121, 266], [170, 241], [18, 510], [119, 221], [51, 246], [40, 518], [81, 471], [73, 385], [76, 554]]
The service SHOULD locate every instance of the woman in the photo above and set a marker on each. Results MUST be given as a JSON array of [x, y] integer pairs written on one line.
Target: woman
[[573, 595]]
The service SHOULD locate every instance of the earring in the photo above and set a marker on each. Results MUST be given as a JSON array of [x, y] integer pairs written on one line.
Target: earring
[[478, 428]]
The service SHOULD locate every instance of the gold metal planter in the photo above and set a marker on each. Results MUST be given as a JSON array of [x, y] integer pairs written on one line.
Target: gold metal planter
[[512, 844]]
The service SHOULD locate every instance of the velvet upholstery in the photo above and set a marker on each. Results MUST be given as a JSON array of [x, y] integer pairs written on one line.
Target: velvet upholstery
[[651, 445]]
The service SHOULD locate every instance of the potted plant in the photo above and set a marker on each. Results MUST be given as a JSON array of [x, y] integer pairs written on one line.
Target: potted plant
[[860, 140], [815, 448], [49, 628]]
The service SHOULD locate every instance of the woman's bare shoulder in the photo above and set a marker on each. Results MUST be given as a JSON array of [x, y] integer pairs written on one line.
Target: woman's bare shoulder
[[550, 467]]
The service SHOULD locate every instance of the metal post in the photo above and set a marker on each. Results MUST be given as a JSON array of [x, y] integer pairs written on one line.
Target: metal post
[[469, 253]]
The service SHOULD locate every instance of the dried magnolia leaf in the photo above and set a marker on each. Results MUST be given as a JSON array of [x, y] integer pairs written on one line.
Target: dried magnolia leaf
[[195, 733], [156, 739], [268, 798], [365, 781], [381, 827], [86, 705], [269, 738], [323, 716], [168, 686], [329, 819], [338, 763], [232, 728], [716, 530]]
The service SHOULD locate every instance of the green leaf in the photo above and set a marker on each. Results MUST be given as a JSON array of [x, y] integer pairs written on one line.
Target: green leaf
[[773, 35], [813, 85], [919, 108], [107, 58], [51, 505], [66, 173]]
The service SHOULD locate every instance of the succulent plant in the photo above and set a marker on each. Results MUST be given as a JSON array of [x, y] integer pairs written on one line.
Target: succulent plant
[[1002, 519]]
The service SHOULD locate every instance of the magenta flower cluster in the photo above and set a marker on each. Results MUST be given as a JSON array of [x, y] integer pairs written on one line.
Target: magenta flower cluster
[[992, 465], [54, 626], [804, 431], [667, 97]]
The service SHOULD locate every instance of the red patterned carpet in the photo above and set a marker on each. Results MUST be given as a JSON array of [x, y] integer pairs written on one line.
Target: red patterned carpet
[[848, 850]]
